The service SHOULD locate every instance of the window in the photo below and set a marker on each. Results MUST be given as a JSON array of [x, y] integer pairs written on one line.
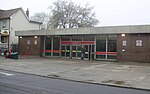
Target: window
[[65, 38], [76, 38], [56, 45], [100, 46], [48, 45], [138, 42], [89, 38], [4, 24], [124, 43], [4, 39]]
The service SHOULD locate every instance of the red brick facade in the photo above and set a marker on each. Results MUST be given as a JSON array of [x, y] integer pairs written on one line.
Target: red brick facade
[[137, 47], [30, 45]]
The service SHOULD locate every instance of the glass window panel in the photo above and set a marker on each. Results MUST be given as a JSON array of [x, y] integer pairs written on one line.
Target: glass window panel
[[112, 43], [101, 56], [78, 51], [55, 54], [73, 51], [76, 38], [67, 51], [111, 56], [56, 43], [63, 48], [89, 37], [65, 38], [101, 43], [101, 46], [4, 39], [48, 45]]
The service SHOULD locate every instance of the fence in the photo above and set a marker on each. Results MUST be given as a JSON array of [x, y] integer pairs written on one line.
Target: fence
[[3, 45], [13, 46]]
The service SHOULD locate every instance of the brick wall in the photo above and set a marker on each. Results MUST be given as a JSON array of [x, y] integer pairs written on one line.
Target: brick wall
[[137, 47], [30, 45], [132, 51]]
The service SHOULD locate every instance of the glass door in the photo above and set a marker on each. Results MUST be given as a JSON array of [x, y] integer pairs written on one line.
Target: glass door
[[79, 51], [92, 51], [86, 52], [74, 51], [65, 51], [68, 51], [89, 52]]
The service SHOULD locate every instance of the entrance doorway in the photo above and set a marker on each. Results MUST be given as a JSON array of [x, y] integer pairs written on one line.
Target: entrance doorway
[[72, 49], [65, 51], [76, 51], [89, 52]]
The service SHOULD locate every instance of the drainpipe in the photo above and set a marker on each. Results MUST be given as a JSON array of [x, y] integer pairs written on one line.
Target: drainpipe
[[95, 48], [52, 45], [60, 46], [44, 45], [9, 35], [106, 46], [70, 48], [0, 37]]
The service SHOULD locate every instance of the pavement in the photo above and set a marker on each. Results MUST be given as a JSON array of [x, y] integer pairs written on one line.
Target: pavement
[[122, 74]]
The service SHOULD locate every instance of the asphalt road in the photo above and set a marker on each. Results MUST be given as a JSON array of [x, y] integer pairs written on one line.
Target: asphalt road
[[17, 83]]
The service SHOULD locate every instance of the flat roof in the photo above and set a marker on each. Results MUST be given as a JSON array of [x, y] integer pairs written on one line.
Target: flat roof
[[87, 30]]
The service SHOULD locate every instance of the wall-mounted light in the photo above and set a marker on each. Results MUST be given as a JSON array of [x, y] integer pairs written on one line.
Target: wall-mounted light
[[123, 35], [20, 37], [139, 35], [123, 50], [35, 37]]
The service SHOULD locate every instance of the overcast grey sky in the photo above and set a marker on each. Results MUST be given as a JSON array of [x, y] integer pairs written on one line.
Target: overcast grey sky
[[108, 12]]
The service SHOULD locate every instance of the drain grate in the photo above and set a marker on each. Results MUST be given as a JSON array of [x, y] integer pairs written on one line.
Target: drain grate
[[114, 82], [54, 75]]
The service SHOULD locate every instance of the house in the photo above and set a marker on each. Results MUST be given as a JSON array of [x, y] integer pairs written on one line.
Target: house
[[14, 20]]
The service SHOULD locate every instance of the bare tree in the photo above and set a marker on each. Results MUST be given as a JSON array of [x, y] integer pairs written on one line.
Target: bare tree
[[41, 17], [66, 14]]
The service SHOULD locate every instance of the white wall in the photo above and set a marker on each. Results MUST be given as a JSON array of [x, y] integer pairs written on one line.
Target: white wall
[[7, 24], [18, 23]]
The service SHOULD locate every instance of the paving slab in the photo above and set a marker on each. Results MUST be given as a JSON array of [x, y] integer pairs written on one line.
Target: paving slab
[[127, 74]]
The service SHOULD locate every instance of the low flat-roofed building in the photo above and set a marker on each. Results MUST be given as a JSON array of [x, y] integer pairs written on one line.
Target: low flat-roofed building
[[120, 43]]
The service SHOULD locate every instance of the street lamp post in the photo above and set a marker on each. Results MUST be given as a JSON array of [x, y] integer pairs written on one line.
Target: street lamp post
[[0, 37]]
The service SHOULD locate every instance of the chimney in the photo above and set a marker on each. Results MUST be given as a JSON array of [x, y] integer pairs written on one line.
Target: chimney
[[27, 12]]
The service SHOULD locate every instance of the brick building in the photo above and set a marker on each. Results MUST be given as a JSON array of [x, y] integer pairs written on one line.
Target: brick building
[[127, 43]]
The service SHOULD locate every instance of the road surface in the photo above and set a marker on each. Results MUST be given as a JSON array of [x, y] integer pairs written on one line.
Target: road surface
[[18, 83]]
